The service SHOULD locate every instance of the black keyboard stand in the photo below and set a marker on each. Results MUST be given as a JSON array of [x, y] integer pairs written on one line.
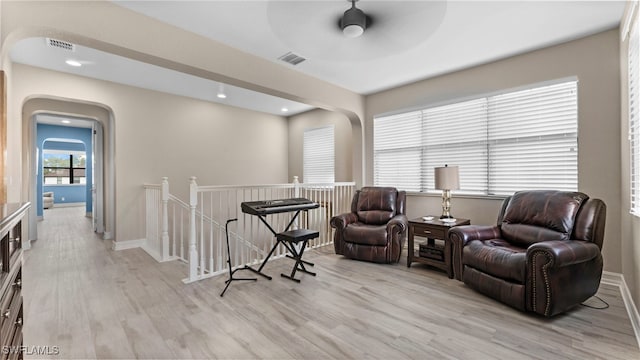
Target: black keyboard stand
[[288, 238], [231, 272]]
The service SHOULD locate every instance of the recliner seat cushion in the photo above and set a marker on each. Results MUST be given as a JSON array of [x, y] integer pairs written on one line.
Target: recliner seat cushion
[[496, 257], [364, 234], [543, 215], [376, 206]]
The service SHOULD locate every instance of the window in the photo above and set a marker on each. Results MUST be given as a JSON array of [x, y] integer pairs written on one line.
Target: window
[[318, 155], [504, 143], [634, 116], [64, 167]]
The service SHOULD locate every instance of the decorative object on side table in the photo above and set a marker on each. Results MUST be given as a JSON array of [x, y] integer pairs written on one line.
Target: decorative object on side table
[[436, 251], [447, 179]]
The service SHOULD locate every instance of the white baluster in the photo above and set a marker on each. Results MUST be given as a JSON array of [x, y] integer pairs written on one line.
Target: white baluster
[[296, 194], [165, 219]]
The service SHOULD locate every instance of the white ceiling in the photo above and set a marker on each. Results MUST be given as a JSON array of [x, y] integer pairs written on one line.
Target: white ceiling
[[104, 66], [64, 121], [408, 41]]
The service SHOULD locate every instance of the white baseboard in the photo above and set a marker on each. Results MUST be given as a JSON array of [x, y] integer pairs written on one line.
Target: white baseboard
[[106, 235], [142, 244], [59, 205], [616, 279], [128, 244]]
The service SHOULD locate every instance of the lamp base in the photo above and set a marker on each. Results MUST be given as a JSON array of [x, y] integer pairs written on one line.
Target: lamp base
[[446, 204]]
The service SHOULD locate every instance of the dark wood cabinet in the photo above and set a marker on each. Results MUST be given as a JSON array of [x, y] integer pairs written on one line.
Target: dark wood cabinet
[[11, 311], [435, 249]]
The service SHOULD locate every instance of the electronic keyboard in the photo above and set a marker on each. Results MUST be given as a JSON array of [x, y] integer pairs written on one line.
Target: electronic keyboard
[[266, 207]]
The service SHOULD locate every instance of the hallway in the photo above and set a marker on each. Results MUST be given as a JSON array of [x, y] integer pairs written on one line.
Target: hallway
[[79, 295]]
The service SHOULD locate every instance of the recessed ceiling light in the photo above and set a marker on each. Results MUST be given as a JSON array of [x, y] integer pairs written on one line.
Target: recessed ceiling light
[[66, 122], [284, 109], [73, 63], [221, 93]]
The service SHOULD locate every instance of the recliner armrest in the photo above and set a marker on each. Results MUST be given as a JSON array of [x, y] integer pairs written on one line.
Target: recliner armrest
[[398, 224], [565, 252], [561, 274], [341, 221]]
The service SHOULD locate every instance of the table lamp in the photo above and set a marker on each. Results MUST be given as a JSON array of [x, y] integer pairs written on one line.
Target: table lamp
[[447, 179]]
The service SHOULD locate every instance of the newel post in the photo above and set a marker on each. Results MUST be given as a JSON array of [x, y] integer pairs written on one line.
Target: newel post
[[193, 251], [165, 219]]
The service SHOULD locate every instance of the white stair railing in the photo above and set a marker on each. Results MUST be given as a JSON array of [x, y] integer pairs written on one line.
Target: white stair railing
[[194, 232]]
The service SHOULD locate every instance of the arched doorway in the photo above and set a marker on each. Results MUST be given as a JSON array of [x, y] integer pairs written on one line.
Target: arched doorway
[[65, 155], [103, 192]]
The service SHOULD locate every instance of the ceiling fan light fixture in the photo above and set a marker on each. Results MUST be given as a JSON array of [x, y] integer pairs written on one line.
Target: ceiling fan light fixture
[[354, 21]]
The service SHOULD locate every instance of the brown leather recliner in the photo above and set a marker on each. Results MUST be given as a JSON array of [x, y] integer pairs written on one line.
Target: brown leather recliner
[[376, 228], [542, 256]]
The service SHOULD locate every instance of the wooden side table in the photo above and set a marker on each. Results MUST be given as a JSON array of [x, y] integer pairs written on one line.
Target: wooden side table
[[436, 251]]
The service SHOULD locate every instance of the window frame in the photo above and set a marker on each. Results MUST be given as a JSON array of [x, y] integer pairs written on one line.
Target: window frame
[[633, 84], [71, 169]]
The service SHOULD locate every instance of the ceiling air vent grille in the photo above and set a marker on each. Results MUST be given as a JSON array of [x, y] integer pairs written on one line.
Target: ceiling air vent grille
[[292, 58], [61, 44]]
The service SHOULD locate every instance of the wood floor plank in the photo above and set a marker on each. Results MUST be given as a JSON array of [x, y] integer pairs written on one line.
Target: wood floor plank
[[93, 302]]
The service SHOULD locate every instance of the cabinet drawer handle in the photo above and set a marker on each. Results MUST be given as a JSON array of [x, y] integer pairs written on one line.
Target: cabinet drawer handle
[[427, 232], [6, 314], [19, 322], [18, 283]]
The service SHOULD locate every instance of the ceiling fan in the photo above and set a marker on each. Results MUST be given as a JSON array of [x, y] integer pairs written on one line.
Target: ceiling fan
[[390, 27], [354, 21]]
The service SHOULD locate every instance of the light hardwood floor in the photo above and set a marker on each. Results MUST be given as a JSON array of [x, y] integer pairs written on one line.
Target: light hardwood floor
[[96, 303]]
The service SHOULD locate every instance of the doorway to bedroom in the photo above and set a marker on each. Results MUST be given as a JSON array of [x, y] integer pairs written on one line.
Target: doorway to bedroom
[[65, 158]]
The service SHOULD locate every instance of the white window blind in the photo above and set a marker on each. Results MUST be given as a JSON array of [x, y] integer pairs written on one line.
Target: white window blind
[[533, 140], [397, 147], [456, 134], [634, 116], [520, 140], [319, 155]]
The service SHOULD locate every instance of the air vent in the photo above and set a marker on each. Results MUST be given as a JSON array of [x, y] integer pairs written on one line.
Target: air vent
[[292, 58], [61, 44]]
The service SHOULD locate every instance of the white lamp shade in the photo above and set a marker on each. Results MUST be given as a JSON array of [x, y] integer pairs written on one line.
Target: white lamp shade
[[447, 178]]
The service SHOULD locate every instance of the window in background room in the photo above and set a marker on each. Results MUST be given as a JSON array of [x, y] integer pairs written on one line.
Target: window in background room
[[64, 167], [504, 143], [633, 54], [319, 155]]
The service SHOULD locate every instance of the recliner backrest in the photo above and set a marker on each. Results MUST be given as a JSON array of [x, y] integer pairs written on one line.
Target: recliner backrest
[[540, 215], [376, 205]]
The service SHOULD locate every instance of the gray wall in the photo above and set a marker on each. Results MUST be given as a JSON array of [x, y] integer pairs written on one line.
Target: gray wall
[[594, 60], [158, 134]]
